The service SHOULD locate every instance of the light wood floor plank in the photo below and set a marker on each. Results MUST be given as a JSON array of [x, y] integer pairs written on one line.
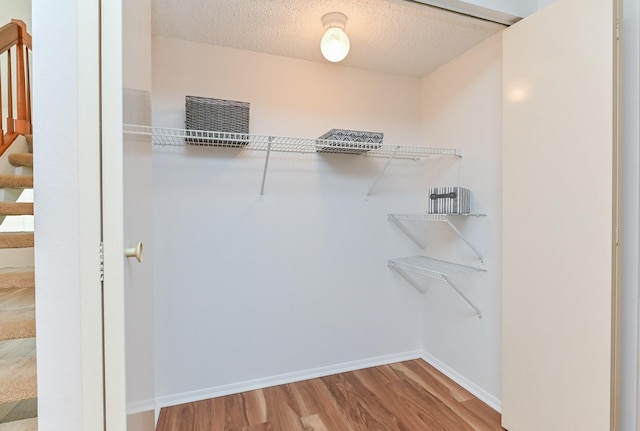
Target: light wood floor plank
[[314, 423], [407, 396], [281, 409], [255, 407], [313, 397]]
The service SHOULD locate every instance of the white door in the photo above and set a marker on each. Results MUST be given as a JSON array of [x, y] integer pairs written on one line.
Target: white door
[[126, 190], [560, 215]]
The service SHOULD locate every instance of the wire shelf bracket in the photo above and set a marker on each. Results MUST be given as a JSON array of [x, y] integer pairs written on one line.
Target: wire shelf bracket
[[266, 165], [397, 219], [433, 268], [379, 177]]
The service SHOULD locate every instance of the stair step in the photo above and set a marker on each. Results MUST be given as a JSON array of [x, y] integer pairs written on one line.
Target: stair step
[[17, 379], [16, 181], [23, 425], [16, 239], [21, 159], [17, 314], [15, 278], [16, 208], [18, 323]]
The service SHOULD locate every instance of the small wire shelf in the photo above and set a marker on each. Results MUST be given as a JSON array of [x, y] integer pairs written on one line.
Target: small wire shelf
[[431, 217], [164, 136], [434, 268], [397, 219]]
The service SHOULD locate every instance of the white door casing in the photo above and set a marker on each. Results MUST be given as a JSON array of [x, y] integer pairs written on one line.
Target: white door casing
[[126, 191]]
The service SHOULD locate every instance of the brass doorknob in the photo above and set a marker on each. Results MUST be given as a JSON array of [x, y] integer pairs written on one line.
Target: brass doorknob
[[134, 252]]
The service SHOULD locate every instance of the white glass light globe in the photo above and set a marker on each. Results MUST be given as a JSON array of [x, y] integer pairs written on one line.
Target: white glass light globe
[[334, 44]]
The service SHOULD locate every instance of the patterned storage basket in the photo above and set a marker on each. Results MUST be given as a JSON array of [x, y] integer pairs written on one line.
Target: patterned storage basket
[[449, 200], [349, 141], [227, 117]]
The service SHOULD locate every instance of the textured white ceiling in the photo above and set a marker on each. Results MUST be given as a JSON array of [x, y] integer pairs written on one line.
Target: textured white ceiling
[[400, 37]]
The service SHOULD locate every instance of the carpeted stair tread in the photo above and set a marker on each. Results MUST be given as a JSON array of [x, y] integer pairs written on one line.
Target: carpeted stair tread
[[16, 278], [16, 208], [23, 425], [16, 181], [21, 159], [17, 323], [16, 239], [17, 379]]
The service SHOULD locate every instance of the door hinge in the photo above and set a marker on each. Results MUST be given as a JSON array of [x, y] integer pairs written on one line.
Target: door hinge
[[101, 261], [618, 30], [617, 234]]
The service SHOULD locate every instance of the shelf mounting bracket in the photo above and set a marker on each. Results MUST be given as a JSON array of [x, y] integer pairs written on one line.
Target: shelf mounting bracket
[[406, 231], [375, 183], [468, 301], [455, 229], [266, 165]]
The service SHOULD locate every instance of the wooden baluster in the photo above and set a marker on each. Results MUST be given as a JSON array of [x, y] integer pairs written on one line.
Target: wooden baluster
[[1, 118], [29, 92], [21, 123], [10, 126]]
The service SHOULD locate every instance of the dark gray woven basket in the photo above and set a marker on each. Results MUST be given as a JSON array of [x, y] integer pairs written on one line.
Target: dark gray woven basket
[[349, 141], [217, 115]]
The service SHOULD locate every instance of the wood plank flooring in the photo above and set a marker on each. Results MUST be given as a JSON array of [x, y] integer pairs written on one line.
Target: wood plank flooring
[[406, 396]]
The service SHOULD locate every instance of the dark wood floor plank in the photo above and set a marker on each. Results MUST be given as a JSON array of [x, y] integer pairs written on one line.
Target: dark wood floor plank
[[491, 417], [234, 412], [432, 412], [404, 408], [281, 409], [211, 415], [407, 396], [353, 405], [181, 417], [433, 382], [425, 377]]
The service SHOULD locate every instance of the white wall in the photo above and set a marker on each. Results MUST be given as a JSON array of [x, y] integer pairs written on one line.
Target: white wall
[[16, 9], [58, 306], [250, 289], [463, 107]]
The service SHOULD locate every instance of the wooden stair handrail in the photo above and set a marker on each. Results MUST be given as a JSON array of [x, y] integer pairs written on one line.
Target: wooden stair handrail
[[14, 34]]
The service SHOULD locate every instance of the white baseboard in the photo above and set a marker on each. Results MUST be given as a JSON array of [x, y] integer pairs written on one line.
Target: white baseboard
[[476, 390], [141, 406], [250, 385]]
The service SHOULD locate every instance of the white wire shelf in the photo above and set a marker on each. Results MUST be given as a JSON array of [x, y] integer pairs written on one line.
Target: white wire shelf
[[397, 219], [434, 268], [164, 136]]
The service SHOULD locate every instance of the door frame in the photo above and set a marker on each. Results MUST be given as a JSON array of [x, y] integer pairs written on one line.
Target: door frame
[[111, 25]]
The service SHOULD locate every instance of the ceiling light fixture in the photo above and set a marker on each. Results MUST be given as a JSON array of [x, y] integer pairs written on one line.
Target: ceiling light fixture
[[335, 42]]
